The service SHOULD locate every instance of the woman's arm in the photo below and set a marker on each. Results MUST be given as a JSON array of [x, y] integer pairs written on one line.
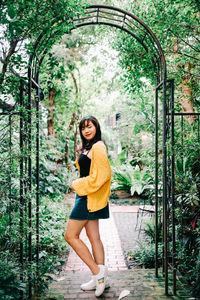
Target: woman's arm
[[99, 174]]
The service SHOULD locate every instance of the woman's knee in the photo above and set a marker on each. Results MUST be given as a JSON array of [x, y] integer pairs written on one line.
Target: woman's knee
[[66, 236], [73, 230], [69, 237]]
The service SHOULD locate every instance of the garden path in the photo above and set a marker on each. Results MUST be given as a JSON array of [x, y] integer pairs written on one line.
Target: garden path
[[115, 233]]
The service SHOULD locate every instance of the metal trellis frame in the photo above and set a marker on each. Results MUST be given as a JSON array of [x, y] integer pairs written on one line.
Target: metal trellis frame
[[164, 93]]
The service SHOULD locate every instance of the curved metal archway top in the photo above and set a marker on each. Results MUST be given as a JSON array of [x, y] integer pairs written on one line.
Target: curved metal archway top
[[126, 21], [114, 17]]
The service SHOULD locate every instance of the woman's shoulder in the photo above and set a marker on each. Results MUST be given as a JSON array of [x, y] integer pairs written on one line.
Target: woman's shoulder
[[99, 144], [99, 147]]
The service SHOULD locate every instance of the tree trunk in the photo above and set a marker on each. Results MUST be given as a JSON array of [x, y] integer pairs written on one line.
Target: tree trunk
[[75, 141], [186, 98], [5, 62], [51, 118], [75, 83], [66, 156], [72, 125]]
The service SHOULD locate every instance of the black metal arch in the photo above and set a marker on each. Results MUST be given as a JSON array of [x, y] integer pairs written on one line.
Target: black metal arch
[[132, 25], [25, 199], [114, 17], [127, 22]]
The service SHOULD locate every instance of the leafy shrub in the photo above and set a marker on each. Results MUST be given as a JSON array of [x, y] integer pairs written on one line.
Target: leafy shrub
[[131, 179], [52, 248], [10, 284], [55, 178], [150, 231], [52, 219], [113, 196], [187, 210], [145, 255], [189, 266]]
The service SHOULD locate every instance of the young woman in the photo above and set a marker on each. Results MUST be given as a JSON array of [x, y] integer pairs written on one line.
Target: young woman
[[91, 204]]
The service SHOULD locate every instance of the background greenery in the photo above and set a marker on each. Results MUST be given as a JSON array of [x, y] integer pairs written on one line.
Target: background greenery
[[96, 70]]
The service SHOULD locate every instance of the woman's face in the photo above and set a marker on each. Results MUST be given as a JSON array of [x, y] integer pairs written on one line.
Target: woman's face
[[89, 130]]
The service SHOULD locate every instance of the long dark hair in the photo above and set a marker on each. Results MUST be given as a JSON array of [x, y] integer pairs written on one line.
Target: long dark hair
[[84, 122]]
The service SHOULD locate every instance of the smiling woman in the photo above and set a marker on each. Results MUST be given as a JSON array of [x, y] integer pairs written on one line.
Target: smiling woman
[[88, 130], [91, 204]]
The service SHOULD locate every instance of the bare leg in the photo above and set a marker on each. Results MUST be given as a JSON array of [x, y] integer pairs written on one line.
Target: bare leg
[[92, 230], [72, 233]]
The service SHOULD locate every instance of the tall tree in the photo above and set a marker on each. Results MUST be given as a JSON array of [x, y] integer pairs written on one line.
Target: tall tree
[[176, 25], [21, 24]]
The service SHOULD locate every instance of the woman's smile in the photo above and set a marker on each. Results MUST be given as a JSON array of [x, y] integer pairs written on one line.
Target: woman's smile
[[89, 130]]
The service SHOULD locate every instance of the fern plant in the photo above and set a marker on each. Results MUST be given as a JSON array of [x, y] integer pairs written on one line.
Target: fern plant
[[131, 179]]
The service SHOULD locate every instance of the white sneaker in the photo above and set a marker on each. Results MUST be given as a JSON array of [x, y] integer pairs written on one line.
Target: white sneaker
[[100, 279], [91, 285]]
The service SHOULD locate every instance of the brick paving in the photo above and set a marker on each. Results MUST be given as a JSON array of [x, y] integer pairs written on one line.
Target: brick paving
[[141, 283], [114, 257], [130, 226]]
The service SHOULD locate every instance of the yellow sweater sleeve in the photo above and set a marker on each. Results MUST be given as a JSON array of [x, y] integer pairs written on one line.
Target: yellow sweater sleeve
[[100, 172]]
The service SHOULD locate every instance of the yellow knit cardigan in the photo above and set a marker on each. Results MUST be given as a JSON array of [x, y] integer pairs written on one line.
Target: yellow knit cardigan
[[97, 184]]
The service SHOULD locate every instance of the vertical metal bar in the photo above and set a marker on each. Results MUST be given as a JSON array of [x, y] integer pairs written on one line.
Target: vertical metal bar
[[21, 173], [10, 170], [35, 70], [97, 15], [163, 215], [156, 183], [26, 182], [165, 186], [37, 178], [182, 151], [198, 136], [29, 179], [172, 188]]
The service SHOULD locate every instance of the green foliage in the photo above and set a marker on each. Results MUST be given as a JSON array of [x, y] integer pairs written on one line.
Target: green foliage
[[150, 231], [176, 26], [131, 179], [187, 210], [145, 255], [10, 284], [22, 22], [189, 265], [54, 183], [53, 216], [55, 178], [52, 247], [120, 159]]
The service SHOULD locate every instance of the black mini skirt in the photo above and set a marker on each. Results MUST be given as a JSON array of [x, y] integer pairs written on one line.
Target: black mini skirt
[[80, 211]]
